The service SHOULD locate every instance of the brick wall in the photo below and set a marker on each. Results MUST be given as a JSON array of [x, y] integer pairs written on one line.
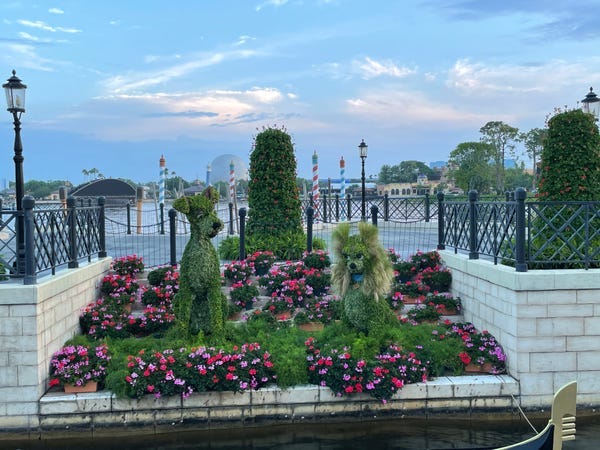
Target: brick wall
[[35, 321], [548, 322]]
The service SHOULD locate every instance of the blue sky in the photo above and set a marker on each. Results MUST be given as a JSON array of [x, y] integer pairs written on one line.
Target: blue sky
[[113, 85]]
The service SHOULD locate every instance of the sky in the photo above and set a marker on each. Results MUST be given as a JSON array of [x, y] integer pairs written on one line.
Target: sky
[[113, 85]]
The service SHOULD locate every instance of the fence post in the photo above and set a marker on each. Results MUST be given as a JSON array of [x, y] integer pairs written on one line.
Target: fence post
[[162, 218], [374, 211], [310, 213], [28, 204], [102, 227], [139, 201], [72, 227], [231, 218], [337, 208], [427, 207], [441, 225], [386, 207], [507, 196], [349, 206], [242, 233], [325, 208], [473, 254], [520, 263], [173, 236], [128, 209]]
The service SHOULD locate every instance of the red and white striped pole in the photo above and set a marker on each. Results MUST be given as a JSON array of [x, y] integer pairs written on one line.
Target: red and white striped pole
[[315, 184], [231, 182]]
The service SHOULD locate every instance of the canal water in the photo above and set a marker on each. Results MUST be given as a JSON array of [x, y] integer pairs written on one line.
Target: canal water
[[399, 434]]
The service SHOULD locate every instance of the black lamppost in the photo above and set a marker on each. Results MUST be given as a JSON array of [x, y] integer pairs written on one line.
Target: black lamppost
[[591, 104], [363, 155], [15, 101]]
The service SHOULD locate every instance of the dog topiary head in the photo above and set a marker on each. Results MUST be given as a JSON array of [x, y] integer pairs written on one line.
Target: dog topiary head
[[360, 260], [200, 211]]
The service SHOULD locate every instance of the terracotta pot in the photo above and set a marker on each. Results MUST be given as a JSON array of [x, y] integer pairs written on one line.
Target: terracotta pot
[[411, 300], [285, 315], [311, 326], [90, 386], [476, 368], [444, 311]]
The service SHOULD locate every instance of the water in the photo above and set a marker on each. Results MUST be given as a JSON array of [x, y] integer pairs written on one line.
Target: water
[[399, 434]]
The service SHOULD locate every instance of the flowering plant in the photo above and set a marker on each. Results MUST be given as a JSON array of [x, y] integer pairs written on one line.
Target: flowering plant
[[317, 259], [113, 283], [404, 270], [273, 279], [445, 299], [480, 347], [394, 299], [197, 370], [238, 271], [437, 278], [262, 261], [294, 291], [423, 313], [380, 377], [423, 260], [78, 364], [323, 309], [104, 318], [158, 295], [128, 265], [318, 280], [413, 288], [243, 294]]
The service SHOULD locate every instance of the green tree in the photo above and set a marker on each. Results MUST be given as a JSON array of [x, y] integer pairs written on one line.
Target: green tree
[[272, 192], [469, 166], [534, 143], [406, 172], [41, 189], [502, 138], [571, 158], [516, 177]]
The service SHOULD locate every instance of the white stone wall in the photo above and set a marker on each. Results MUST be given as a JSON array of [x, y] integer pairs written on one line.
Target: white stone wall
[[35, 321], [548, 322]]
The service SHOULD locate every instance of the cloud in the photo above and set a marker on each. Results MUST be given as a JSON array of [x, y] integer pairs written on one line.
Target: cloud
[[370, 68], [44, 26], [27, 56], [56, 11], [274, 3], [243, 40]]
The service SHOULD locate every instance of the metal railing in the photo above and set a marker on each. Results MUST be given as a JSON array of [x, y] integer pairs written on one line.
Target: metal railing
[[525, 234]]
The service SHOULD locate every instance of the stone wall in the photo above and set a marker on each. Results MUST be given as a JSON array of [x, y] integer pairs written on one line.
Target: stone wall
[[548, 322], [35, 321]]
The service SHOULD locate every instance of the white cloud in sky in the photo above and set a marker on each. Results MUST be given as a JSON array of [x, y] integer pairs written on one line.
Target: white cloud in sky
[[44, 26], [275, 3], [26, 55], [56, 11], [370, 68]]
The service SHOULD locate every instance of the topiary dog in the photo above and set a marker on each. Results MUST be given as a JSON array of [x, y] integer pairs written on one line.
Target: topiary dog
[[200, 306], [362, 276]]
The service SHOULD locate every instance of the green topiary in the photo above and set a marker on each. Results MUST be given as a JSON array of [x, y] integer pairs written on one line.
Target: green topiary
[[200, 306], [571, 158], [272, 193]]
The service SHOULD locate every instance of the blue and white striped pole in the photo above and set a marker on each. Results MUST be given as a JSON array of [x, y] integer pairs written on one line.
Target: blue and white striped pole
[[161, 184]]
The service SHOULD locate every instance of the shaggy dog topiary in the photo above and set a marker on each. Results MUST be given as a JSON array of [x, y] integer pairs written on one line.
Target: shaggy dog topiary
[[200, 306], [362, 277]]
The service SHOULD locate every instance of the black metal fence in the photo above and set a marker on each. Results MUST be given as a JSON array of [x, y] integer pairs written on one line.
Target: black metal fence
[[525, 234]]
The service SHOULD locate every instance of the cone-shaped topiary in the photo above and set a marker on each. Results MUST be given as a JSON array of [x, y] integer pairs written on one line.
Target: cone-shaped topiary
[[571, 158], [272, 193]]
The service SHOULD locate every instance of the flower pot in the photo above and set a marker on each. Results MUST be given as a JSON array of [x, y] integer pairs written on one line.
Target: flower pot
[[311, 326], [447, 311], [90, 386], [476, 368], [411, 300], [285, 315], [127, 307]]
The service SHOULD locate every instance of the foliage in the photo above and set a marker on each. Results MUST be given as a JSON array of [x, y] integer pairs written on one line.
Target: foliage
[[229, 248], [446, 299], [318, 280], [243, 294], [118, 284], [317, 259], [406, 172], [576, 177], [128, 265], [470, 168], [424, 260], [237, 271], [533, 141], [425, 312], [42, 189], [436, 278], [502, 137], [78, 364], [162, 275], [202, 369], [480, 347], [262, 261], [272, 195], [404, 270]]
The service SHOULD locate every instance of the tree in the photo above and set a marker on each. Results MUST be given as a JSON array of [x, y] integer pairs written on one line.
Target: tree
[[469, 166], [571, 158], [272, 193], [534, 143], [406, 172], [502, 138], [516, 177]]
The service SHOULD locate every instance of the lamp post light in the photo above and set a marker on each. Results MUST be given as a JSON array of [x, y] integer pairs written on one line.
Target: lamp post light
[[15, 101], [362, 147], [591, 104]]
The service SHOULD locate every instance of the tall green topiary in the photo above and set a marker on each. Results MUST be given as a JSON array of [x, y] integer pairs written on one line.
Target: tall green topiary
[[571, 158], [272, 193]]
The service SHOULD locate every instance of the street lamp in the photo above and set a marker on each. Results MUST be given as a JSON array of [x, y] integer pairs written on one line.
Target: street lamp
[[362, 147], [15, 101], [591, 104]]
